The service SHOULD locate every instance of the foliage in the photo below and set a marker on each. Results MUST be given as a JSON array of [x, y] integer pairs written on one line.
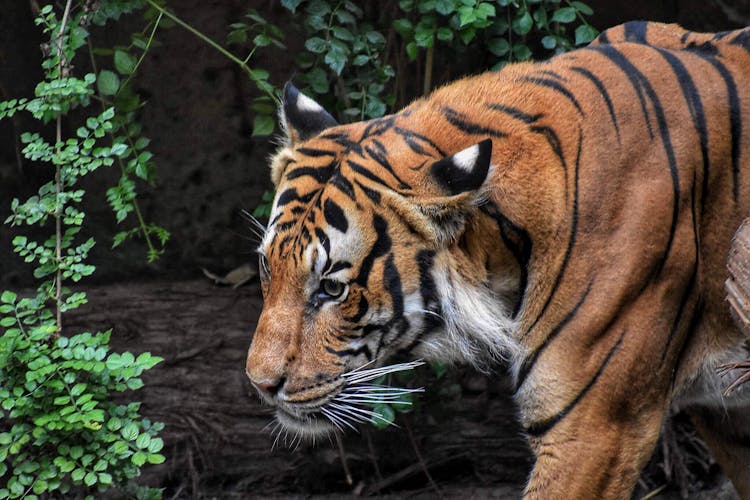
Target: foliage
[[351, 49], [60, 431]]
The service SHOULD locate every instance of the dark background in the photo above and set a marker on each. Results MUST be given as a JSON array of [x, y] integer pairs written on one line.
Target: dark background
[[209, 168], [198, 118]]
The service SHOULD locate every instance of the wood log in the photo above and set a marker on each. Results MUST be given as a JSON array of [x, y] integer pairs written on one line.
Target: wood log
[[738, 296]]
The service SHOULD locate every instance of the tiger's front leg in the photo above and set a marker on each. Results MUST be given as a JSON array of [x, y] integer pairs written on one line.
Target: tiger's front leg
[[591, 455], [593, 409]]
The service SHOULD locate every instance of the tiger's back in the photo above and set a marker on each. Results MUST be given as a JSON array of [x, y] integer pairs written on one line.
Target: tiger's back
[[573, 216]]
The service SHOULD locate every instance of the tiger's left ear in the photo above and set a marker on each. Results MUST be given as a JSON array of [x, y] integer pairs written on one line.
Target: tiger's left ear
[[460, 177], [465, 170], [302, 117]]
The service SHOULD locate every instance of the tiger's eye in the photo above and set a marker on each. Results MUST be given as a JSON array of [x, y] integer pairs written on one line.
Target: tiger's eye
[[333, 288]]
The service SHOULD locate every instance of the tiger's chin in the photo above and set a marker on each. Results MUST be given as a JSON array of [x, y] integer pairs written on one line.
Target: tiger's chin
[[308, 426]]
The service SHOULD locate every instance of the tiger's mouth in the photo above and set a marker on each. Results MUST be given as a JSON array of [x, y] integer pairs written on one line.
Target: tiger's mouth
[[349, 404]]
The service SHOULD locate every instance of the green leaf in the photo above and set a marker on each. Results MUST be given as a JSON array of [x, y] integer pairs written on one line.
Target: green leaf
[[143, 441], [403, 27], [316, 45], [585, 33], [263, 125], [124, 62], [342, 33], [155, 445], [564, 15], [582, 8], [130, 431], [139, 458], [108, 82], [412, 51], [156, 458], [385, 415], [445, 7], [77, 474], [549, 42], [90, 479], [291, 5], [7, 296], [521, 52], [523, 24], [444, 34], [498, 46], [105, 478]]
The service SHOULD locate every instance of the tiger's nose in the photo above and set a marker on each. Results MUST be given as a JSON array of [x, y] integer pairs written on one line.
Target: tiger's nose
[[268, 387]]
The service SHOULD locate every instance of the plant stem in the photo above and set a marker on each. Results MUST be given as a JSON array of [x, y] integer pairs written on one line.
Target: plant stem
[[428, 69], [136, 206], [210, 42], [145, 51], [58, 176]]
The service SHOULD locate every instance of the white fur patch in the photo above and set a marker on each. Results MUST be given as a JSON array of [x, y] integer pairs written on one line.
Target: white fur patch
[[305, 104], [478, 327], [466, 159]]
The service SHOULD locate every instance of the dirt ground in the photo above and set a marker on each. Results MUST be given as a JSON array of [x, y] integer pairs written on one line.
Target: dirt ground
[[461, 441]]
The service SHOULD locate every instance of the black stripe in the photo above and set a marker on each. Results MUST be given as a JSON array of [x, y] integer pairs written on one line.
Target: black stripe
[[571, 240], [315, 152], [367, 173], [557, 86], [688, 292], [381, 247], [621, 62], [742, 39], [735, 120], [377, 126], [364, 349], [287, 196], [603, 92], [530, 361], [382, 160], [552, 74], [338, 266], [342, 184], [518, 242], [515, 112], [636, 31], [334, 216], [320, 174], [392, 284], [461, 122], [370, 193], [642, 82], [554, 142], [283, 226], [695, 106], [540, 428], [410, 135], [362, 308]]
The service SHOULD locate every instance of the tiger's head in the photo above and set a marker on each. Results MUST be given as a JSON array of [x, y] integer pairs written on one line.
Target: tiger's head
[[368, 254]]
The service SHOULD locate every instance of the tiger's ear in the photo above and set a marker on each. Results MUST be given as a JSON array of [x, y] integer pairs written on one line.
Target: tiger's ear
[[460, 177], [301, 117], [463, 171]]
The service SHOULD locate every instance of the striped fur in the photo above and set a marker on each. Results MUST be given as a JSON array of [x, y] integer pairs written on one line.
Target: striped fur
[[572, 217]]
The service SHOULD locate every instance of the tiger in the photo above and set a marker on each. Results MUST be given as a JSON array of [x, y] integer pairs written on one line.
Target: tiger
[[570, 218]]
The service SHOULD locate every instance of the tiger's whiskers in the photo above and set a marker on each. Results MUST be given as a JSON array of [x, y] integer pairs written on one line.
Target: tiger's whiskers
[[350, 405]]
